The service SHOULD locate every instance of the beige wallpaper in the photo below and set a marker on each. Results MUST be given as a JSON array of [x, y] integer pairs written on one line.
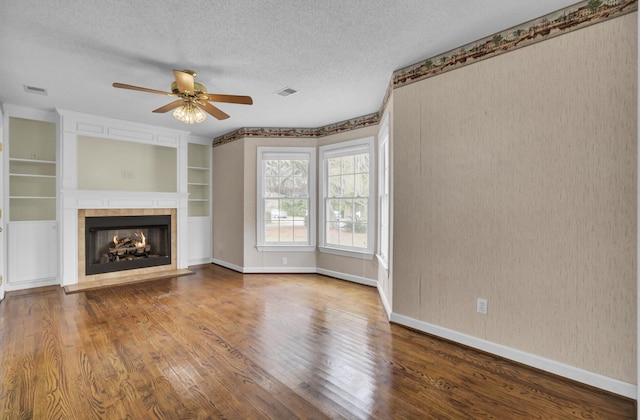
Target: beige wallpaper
[[228, 202], [515, 181]]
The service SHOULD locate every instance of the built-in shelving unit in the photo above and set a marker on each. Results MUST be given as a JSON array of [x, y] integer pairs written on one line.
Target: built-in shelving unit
[[32, 170], [30, 188], [198, 180]]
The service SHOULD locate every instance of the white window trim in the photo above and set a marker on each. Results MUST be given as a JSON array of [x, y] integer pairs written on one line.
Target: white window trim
[[383, 154], [289, 153], [363, 255], [286, 248], [337, 150]]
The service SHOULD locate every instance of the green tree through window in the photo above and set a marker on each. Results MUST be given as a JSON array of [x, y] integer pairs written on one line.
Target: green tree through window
[[347, 210], [284, 196]]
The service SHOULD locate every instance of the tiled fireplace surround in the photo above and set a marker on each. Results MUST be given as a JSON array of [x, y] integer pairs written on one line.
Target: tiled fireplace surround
[[76, 204], [84, 213]]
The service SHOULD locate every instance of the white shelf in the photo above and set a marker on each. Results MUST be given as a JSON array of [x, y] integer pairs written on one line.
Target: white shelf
[[198, 180], [32, 170], [47, 162], [31, 176], [33, 197]]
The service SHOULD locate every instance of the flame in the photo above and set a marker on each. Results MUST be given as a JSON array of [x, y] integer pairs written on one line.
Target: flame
[[116, 240], [140, 243]]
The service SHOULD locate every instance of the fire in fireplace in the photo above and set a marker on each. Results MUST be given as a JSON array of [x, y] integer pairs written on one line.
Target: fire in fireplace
[[115, 243]]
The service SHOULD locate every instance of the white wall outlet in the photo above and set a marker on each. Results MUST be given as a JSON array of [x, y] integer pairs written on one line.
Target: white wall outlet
[[284, 260], [482, 306]]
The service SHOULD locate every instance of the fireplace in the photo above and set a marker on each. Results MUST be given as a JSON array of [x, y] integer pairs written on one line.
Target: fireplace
[[117, 243]]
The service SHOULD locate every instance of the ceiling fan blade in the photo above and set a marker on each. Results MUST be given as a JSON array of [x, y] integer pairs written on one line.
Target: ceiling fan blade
[[169, 107], [123, 86], [216, 112], [185, 81], [232, 99]]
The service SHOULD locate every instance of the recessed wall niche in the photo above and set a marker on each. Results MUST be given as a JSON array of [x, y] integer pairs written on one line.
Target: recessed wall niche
[[32, 170], [113, 165]]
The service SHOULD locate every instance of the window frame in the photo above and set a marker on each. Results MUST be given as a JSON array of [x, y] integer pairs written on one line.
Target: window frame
[[341, 149], [285, 153], [384, 194]]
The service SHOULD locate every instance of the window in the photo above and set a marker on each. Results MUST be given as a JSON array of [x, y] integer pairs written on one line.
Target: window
[[383, 194], [346, 211], [286, 198]]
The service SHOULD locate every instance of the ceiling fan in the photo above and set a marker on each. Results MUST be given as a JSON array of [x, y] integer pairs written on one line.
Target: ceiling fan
[[193, 98]]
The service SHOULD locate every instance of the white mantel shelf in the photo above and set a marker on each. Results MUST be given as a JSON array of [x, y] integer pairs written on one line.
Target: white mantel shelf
[[79, 199]]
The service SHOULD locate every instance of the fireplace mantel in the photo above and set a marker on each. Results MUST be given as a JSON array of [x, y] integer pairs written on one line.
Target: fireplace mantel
[[121, 199], [72, 199]]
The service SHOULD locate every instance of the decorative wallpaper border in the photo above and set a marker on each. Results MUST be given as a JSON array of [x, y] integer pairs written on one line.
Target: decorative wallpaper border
[[566, 20], [569, 19], [348, 125]]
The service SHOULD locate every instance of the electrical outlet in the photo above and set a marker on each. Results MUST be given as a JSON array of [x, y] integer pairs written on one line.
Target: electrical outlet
[[284, 260], [482, 306]]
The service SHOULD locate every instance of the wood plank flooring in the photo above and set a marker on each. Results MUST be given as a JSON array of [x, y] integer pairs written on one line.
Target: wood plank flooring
[[219, 344]]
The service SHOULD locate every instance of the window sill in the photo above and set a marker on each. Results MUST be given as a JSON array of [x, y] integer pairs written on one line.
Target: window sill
[[343, 252], [285, 248]]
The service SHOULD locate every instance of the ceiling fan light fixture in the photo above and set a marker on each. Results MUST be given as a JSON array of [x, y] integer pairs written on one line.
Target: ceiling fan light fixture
[[188, 113], [193, 103]]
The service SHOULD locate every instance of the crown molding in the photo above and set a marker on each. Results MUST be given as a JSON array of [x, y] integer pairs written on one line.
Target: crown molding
[[347, 125]]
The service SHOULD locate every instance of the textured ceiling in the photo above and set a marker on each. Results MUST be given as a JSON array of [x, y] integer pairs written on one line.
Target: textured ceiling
[[339, 55]]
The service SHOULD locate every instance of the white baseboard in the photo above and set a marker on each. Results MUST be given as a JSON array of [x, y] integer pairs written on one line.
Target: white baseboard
[[342, 276], [293, 270], [570, 372], [31, 284], [385, 301], [199, 261], [278, 270], [227, 265]]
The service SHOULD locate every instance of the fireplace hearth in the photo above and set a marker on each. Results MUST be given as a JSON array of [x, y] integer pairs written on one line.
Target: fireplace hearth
[[117, 243]]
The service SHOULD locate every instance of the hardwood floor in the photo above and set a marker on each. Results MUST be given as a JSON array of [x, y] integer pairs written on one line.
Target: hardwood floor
[[219, 344]]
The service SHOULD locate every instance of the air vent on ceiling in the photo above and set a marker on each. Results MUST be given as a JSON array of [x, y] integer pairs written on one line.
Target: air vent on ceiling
[[286, 91], [34, 89]]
